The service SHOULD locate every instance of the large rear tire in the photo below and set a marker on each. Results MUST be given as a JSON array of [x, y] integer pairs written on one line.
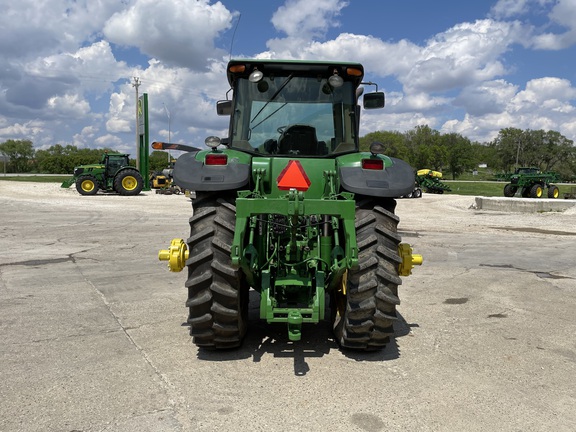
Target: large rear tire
[[363, 317], [217, 292], [128, 182]]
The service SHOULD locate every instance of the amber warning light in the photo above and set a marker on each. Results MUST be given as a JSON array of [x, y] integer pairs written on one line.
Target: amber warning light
[[293, 177]]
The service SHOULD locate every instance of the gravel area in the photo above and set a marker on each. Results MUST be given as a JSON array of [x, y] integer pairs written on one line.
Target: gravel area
[[52, 193], [93, 335], [456, 212]]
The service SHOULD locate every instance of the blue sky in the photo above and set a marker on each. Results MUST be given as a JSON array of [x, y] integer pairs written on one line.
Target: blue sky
[[67, 66]]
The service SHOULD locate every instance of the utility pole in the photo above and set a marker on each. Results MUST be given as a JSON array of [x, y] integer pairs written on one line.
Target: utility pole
[[169, 137], [136, 84]]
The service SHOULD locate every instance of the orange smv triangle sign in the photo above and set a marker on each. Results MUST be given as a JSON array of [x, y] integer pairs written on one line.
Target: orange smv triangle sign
[[293, 177]]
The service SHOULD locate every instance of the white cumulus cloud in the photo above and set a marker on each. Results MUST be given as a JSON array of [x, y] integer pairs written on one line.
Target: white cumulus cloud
[[180, 33]]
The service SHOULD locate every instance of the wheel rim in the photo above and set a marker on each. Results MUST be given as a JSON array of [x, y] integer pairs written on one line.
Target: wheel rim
[[340, 296], [556, 193], [539, 192], [87, 186], [129, 183]]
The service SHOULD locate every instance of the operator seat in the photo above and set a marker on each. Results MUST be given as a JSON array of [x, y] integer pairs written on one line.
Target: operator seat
[[112, 166], [298, 139]]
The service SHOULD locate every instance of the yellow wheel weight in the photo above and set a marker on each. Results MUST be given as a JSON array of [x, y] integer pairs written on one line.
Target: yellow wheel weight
[[409, 260], [176, 255]]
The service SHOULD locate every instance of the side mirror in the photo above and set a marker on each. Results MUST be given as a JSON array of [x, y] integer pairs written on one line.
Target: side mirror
[[374, 100], [224, 107]]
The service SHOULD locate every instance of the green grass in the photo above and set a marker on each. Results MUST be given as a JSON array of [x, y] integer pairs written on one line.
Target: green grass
[[478, 188], [38, 178], [481, 175]]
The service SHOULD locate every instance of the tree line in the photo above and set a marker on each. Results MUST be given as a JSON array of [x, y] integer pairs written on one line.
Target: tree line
[[454, 154], [21, 157], [422, 147]]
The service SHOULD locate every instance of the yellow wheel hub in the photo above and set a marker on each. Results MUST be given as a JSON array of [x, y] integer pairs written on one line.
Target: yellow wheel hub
[[129, 183], [87, 185], [409, 260], [176, 255]]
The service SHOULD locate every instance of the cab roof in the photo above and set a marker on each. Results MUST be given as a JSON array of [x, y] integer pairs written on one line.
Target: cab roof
[[297, 67]]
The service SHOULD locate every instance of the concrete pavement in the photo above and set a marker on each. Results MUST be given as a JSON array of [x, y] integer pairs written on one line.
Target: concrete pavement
[[92, 334], [523, 205]]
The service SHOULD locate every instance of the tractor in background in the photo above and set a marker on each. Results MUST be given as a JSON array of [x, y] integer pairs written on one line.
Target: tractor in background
[[531, 182], [112, 174], [430, 182], [162, 181]]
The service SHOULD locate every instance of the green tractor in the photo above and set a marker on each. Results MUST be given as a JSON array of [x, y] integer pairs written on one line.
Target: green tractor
[[112, 174], [531, 182], [288, 206]]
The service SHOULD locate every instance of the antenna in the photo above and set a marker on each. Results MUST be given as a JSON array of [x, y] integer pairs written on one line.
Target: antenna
[[233, 35]]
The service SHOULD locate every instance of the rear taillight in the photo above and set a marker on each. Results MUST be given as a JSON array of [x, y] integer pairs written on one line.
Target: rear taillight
[[216, 159], [372, 164]]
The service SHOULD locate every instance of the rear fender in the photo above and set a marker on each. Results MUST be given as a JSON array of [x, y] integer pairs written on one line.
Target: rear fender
[[191, 173], [395, 180]]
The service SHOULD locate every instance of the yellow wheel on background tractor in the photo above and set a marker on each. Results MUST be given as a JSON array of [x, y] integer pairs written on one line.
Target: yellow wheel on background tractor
[[553, 191], [128, 182], [536, 191], [87, 185]]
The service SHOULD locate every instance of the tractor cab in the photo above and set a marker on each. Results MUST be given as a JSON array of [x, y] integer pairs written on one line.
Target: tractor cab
[[282, 109], [527, 170], [113, 162]]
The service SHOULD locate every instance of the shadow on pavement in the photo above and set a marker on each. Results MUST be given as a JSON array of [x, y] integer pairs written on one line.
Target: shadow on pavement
[[317, 340]]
